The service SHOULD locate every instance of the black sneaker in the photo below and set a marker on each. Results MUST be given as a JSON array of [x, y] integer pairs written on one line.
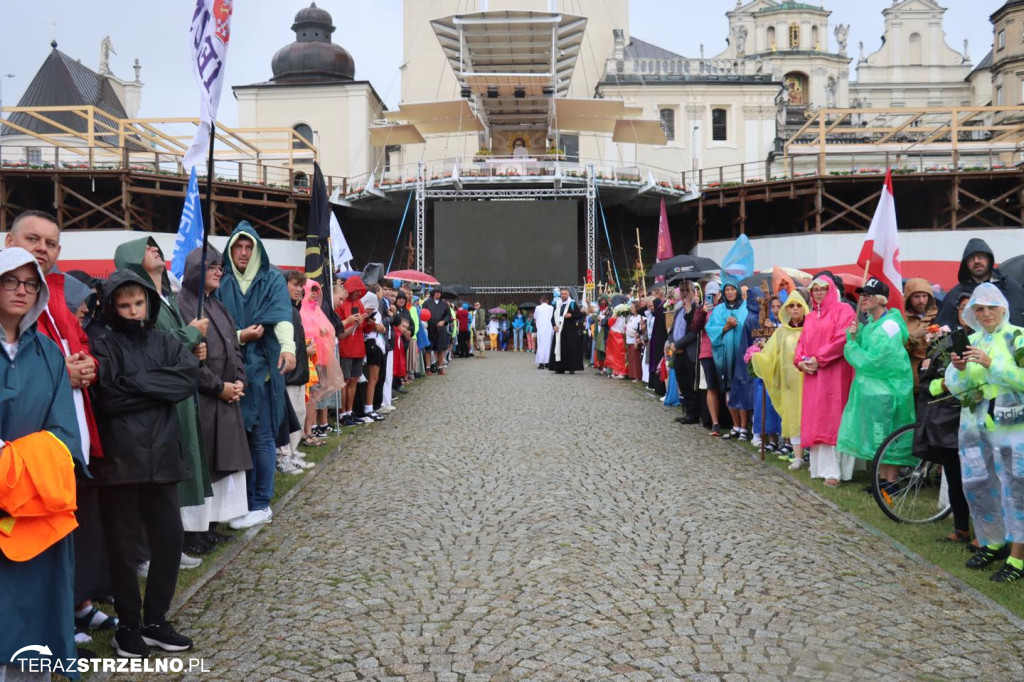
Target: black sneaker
[[986, 555], [196, 544], [1007, 574], [716, 431], [128, 642], [165, 637]]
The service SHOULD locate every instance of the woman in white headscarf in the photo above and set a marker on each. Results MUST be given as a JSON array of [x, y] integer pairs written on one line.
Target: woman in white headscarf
[[989, 381]]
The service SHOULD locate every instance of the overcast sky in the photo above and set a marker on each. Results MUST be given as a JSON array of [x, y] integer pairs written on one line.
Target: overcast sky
[[156, 33]]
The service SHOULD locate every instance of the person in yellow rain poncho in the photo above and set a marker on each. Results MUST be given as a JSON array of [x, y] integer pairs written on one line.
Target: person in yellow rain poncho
[[783, 381]]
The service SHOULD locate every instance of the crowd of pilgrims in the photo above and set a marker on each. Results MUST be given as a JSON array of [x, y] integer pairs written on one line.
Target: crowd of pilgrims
[[832, 371], [139, 412]]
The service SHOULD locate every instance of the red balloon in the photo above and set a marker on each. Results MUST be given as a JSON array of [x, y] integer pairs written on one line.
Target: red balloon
[[424, 315]]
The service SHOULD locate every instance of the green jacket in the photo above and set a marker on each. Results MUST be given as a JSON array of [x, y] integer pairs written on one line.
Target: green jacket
[[1002, 383], [882, 393], [192, 491]]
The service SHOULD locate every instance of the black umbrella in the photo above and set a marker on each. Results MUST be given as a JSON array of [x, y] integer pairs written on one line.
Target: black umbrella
[[529, 305], [1013, 268], [619, 299], [456, 291], [690, 267]]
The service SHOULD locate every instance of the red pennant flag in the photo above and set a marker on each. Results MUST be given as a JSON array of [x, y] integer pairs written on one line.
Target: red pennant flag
[[664, 238], [880, 255]]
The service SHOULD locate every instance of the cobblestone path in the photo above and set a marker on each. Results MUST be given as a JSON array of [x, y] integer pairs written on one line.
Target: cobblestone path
[[507, 523]]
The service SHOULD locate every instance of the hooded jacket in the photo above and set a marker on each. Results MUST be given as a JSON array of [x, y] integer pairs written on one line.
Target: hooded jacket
[[144, 374], [352, 346], [774, 365], [725, 345], [129, 256], [35, 395], [260, 296], [917, 325], [1012, 290], [224, 444]]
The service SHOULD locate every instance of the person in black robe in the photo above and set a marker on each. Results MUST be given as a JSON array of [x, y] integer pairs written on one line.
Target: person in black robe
[[659, 335], [567, 354]]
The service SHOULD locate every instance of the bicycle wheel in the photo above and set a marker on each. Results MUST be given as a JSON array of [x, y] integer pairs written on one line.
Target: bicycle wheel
[[914, 496]]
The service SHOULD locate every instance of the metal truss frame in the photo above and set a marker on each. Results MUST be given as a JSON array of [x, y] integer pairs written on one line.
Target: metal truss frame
[[589, 193]]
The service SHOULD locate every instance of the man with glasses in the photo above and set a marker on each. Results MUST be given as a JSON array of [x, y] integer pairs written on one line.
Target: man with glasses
[[978, 267]]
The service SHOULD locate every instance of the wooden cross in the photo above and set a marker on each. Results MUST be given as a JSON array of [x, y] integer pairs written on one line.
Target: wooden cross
[[640, 273]]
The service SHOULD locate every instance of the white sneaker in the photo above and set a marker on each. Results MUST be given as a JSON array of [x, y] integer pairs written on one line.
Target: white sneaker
[[82, 638], [301, 463], [253, 518], [386, 409], [796, 464], [188, 562], [756, 441], [286, 466]]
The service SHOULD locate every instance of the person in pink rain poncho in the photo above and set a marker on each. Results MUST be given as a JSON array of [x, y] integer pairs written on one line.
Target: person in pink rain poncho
[[827, 379]]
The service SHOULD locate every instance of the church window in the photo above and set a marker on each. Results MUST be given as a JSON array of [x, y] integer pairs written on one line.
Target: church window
[[719, 127], [794, 36], [305, 132], [999, 96], [915, 51], [1002, 39], [668, 123]]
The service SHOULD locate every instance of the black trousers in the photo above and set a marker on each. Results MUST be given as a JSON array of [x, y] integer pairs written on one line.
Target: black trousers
[[686, 377], [92, 574], [127, 510], [957, 499]]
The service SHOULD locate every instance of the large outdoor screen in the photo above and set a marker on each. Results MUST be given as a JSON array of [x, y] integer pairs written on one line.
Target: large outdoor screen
[[518, 242]]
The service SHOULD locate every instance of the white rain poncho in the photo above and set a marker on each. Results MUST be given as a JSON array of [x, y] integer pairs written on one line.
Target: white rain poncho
[[992, 424]]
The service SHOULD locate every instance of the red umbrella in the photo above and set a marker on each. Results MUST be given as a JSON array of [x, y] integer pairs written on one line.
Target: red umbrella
[[413, 276]]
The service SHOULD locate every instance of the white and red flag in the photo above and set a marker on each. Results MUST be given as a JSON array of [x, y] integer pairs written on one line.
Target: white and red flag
[[208, 39], [880, 255]]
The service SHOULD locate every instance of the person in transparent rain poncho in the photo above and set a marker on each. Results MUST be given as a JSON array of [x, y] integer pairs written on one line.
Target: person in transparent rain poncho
[[990, 385]]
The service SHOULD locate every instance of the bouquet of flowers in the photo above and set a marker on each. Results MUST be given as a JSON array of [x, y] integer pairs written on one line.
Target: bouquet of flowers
[[748, 357]]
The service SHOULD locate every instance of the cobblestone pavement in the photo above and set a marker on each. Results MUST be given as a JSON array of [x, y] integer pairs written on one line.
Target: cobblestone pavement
[[507, 523]]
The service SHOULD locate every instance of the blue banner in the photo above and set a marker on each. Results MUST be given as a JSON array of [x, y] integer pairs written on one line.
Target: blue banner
[[190, 229]]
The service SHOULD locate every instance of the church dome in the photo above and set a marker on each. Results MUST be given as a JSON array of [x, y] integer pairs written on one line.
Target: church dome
[[312, 57]]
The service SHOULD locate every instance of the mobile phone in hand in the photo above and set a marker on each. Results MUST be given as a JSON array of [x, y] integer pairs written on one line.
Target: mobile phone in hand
[[959, 341]]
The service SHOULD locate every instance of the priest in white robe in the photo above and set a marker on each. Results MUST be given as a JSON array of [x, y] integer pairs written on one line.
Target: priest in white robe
[[542, 316]]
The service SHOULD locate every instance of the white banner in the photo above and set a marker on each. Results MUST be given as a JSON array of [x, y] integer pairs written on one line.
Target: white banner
[[209, 35], [341, 255]]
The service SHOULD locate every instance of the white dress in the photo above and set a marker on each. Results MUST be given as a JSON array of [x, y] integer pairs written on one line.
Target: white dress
[[545, 332]]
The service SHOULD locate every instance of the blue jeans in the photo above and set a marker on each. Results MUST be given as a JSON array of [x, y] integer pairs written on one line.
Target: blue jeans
[[262, 445], [519, 338]]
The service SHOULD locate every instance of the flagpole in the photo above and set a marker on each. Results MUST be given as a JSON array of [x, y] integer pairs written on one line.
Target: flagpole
[[207, 224]]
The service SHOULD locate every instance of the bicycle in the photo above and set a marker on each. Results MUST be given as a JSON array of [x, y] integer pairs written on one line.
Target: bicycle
[[914, 496]]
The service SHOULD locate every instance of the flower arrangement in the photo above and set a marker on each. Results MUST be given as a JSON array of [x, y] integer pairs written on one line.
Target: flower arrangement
[[748, 357]]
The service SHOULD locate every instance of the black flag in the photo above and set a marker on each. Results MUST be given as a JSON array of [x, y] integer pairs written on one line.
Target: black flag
[[318, 248]]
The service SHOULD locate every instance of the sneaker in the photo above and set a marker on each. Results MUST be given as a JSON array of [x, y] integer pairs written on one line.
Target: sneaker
[[286, 466], [797, 464], [165, 637], [1007, 574], [349, 420], [189, 562], [254, 518], [986, 555], [82, 637], [716, 431], [756, 441], [128, 642], [298, 461], [386, 409]]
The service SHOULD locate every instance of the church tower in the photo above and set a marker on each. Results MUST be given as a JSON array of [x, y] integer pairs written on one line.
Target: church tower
[[314, 91]]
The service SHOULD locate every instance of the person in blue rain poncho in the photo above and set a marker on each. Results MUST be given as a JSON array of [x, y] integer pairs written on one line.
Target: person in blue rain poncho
[[725, 329], [989, 381]]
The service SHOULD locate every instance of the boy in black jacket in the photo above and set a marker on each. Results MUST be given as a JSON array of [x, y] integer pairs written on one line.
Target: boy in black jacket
[[143, 373]]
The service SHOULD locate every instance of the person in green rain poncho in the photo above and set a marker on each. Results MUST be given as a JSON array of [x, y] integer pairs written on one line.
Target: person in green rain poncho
[[882, 393], [144, 258]]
